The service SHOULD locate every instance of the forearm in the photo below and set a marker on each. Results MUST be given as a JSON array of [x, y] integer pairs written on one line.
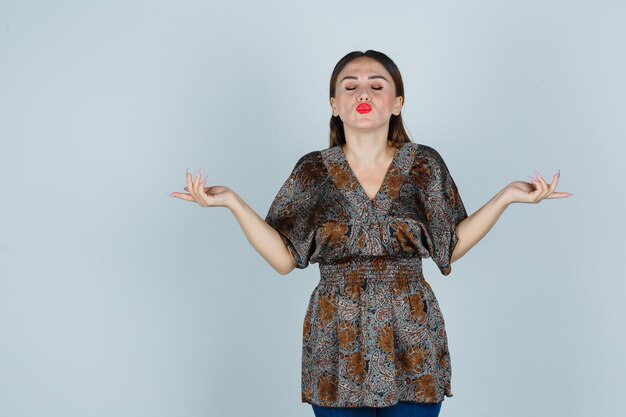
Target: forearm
[[263, 237], [471, 230]]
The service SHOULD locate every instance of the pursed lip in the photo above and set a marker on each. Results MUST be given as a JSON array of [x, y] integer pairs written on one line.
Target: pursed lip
[[363, 108]]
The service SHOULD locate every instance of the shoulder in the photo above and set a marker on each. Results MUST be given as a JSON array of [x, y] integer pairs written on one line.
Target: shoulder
[[428, 167], [309, 171], [427, 154], [309, 159], [427, 157]]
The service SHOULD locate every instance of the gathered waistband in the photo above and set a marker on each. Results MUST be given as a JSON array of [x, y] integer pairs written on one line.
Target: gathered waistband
[[382, 268]]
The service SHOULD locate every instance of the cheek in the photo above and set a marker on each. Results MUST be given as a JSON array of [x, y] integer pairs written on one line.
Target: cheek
[[341, 103], [388, 102], [345, 107]]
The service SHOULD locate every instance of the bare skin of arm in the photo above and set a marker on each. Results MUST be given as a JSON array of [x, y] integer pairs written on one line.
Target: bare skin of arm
[[471, 230], [263, 237], [268, 243]]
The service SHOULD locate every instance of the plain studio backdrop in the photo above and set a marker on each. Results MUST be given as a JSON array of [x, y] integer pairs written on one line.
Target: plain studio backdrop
[[118, 300]]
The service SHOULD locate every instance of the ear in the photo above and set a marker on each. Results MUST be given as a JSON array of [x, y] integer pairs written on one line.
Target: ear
[[398, 106], [332, 105]]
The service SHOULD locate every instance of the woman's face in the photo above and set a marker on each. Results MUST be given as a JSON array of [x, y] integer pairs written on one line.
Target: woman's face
[[365, 81]]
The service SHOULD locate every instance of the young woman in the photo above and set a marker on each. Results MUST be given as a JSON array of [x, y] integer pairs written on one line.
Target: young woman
[[367, 209]]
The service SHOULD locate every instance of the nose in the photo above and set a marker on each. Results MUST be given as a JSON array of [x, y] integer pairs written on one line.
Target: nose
[[363, 96]]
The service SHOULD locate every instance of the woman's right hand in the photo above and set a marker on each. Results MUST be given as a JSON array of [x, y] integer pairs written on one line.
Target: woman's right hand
[[263, 237], [215, 196]]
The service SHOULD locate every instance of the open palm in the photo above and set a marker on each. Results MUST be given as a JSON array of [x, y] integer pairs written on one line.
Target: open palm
[[535, 191], [213, 196]]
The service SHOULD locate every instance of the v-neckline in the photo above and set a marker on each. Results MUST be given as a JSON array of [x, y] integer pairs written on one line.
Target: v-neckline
[[358, 183]]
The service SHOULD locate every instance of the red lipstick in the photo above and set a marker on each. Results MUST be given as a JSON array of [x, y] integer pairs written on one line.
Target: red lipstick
[[363, 108]]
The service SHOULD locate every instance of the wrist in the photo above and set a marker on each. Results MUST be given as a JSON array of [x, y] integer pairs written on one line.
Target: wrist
[[234, 202], [503, 199]]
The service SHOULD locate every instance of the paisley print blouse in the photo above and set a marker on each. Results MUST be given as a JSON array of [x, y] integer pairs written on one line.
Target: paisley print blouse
[[373, 331]]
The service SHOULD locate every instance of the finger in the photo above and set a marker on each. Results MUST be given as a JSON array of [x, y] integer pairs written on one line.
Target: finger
[[196, 185], [203, 197], [183, 196], [199, 190], [193, 187], [555, 181], [206, 189], [189, 186], [544, 186], [553, 185], [559, 194], [202, 192], [190, 189], [534, 195]]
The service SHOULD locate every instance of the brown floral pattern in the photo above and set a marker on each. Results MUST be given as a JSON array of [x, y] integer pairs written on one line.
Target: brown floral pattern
[[373, 332]]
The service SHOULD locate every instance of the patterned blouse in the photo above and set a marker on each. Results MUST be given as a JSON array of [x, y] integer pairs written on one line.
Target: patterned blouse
[[373, 332]]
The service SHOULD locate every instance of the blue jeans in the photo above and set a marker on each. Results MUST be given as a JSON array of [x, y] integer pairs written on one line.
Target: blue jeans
[[402, 409]]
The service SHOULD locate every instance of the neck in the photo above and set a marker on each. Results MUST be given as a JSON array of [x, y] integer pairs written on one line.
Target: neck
[[368, 152]]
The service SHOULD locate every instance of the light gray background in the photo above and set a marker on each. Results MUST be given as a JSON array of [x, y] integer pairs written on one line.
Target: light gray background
[[117, 300]]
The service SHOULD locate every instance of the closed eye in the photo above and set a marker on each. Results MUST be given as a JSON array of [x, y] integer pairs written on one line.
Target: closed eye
[[375, 88]]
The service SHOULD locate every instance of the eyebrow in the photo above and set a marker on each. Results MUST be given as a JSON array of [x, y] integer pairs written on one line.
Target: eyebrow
[[352, 77]]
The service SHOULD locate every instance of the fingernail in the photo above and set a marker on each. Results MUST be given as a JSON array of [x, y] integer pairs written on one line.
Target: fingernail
[[538, 174], [204, 179], [170, 194], [531, 178], [558, 174], [198, 172]]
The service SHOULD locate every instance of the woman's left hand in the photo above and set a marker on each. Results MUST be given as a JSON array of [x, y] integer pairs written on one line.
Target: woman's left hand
[[533, 192]]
